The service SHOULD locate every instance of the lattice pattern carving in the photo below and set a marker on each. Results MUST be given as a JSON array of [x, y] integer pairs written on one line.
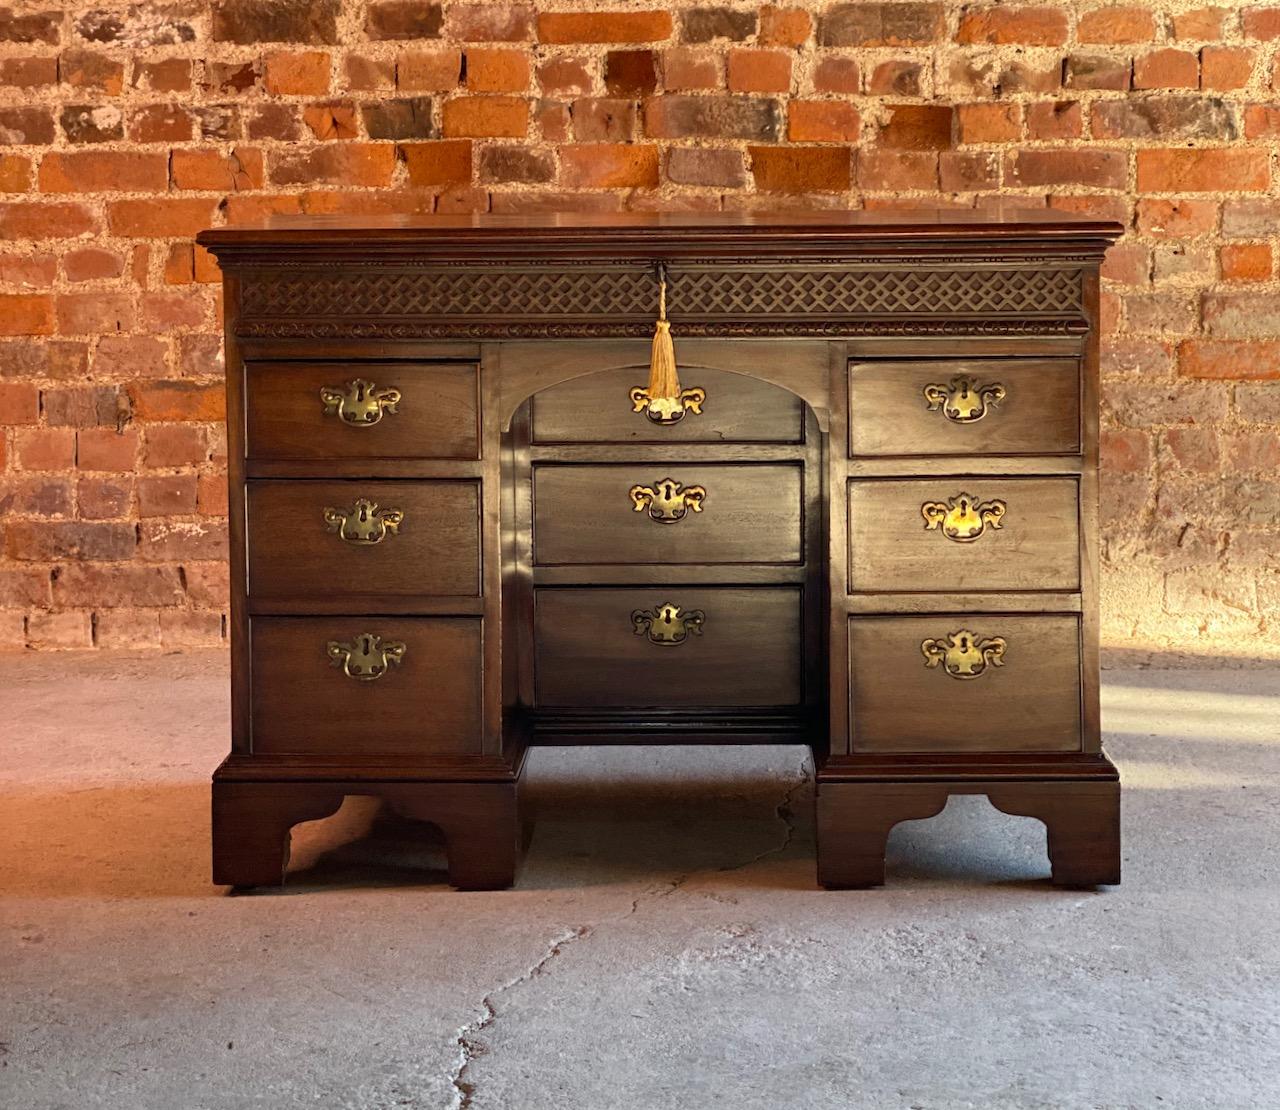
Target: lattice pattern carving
[[706, 295]]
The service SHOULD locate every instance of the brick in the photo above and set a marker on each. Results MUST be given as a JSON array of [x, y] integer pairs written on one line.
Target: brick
[[1125, 451], [249, 22], [885, 170], [1167, 69], [1261, 23], [1255, 451], [22, 588], [627, 73], [30, 27], [406, 118], [486, 117], [178, 399], [297, 74], [331, 121], [1235, 360], [136, 26], [837, 75], [1103, 169], [1176, 219], [1262, 121], [603, 119], [33, 272], [893, 78], [84, 69], [134, 629], [1163, 117], [46, 448], [604, 27], [15, 173], [968, 171], [1204, 170], [85, 406], [167, 495], [989, 123], [1240, 315], [491, 69], [117, 586], [165, 75], [92, 171], [713, 117], [26, 314], [106, 449], [92, 264], [429, 70], [162, 540], [874, 24], [1116, 25], [1258, 404], [362, 164], [161, 123], [759, 71], [489, 22], [1180, 262], [87, 123], [1056, 120], [566, 75], [438, 163], [1245, 262], [799, 169], [28, 73], [211, 495], [26, 126], [505, 164], [59, 631], [1044, 25], [366, 74], [1128, 264], [708, 166], [104, 498], [552, 118], [214, 171], [822, 121], [687, 69], [36, 495], [609, 166], [918, 127], [49, 360], [1097, 72], [187, 629], [19, 403], [1203, 24], [1158, 313], [703, 25], [94, 313], [403, 19], [1224, 68], [784, 26]]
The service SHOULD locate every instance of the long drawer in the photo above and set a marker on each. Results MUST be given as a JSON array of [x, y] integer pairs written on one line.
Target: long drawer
[[363, 538], [954, 534], [366, 685], [964, 407], [351, 410], [668, 648], [639, 513], [965, 682]]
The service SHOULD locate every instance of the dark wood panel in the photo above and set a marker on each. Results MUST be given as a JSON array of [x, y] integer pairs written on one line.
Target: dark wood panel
[[1028, 539], [1039, 412], [437, 415], [429, 704], [597, 408], [749, 652], [585, 514], [295, 553], [1029, 703]]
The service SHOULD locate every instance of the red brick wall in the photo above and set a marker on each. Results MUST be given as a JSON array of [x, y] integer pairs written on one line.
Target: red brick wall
[[129, 128]]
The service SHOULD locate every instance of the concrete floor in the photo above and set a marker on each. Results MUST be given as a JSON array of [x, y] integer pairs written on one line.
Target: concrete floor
[[666, 945]]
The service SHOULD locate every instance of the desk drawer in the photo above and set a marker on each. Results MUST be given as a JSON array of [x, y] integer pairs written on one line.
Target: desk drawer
[[602, 648], [955, 534], [348, 410], [311, 698], [971, 407], [646, 513], [965, 682], [363, 538], [599, 408]]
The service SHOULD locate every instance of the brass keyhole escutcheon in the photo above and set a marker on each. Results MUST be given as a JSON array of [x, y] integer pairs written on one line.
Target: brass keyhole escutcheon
[[664, 410], [667, 501], [668, 625], [962, 518], [367, 657], [963, 400], [962, 654], [364, 524], [359, 403]]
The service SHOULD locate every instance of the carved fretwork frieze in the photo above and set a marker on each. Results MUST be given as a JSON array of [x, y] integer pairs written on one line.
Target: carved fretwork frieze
[[609, 300]]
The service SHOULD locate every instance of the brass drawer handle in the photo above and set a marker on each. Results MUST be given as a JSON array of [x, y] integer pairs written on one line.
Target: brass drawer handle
[[360, 403], [364, 524], [667, 501], [664, 410], [964, 400], [962, 654], [962, 518], [668, 624], [366, 657]]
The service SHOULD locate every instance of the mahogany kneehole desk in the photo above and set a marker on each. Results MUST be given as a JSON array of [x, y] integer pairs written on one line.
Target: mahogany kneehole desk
[[458, 528]]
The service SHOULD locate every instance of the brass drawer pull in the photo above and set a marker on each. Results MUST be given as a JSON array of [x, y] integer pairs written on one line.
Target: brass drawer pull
[[665, 411], [366, 657], [360, 403], [667, 501], [962, 518], [668, 624], [964, 400], [364, 524], [962, 654]]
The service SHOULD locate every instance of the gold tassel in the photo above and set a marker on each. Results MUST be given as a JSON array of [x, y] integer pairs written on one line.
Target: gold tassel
[[664, 379]]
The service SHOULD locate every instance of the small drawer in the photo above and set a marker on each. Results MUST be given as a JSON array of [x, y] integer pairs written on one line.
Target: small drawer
[[965, 407], [638, 513], [965, 682], [668, 648], [331, 539], [366, 685], [350, 410], [958, 534], [726, 408]]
